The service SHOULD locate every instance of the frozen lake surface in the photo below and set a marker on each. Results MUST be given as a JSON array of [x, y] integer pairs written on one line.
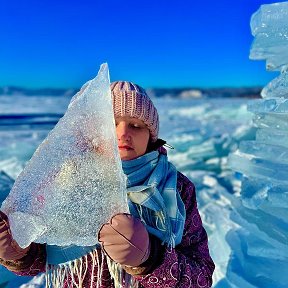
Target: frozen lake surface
[[202, 131]]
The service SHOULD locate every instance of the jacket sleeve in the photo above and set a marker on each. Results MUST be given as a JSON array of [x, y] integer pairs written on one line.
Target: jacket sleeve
[[31, 264], [189, 264]]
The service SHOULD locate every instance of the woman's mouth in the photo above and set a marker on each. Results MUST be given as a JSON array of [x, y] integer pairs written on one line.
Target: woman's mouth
[[125, 147]]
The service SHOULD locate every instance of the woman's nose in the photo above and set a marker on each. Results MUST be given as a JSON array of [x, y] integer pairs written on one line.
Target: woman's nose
[[122, 131]]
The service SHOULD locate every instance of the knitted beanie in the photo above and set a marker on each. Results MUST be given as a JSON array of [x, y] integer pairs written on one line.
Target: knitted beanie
[[131, 100]]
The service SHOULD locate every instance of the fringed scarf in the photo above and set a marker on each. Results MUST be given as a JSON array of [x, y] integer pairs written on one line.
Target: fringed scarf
[[152, 197]]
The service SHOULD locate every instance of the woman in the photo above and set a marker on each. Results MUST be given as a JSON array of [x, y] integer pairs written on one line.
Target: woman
[[162, 244]]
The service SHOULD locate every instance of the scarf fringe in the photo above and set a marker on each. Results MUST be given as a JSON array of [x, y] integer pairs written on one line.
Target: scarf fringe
[[120, 277], [76, 270], [74, 273]]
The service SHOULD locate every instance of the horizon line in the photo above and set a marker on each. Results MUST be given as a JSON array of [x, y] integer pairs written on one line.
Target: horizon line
[[147, 88]]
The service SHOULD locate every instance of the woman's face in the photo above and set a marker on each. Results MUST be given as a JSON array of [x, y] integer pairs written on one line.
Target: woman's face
[[133, 137]]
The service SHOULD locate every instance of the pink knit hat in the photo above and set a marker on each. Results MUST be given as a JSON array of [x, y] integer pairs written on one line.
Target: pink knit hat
[[131, 100]]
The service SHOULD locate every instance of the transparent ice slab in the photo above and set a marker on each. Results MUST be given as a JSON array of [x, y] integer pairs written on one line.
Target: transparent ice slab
[[74, 181]]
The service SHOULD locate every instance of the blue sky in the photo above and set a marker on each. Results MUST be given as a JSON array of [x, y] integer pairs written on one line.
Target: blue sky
[[155, 43]]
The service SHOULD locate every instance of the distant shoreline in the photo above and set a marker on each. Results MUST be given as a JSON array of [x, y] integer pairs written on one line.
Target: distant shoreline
[[179, 93]]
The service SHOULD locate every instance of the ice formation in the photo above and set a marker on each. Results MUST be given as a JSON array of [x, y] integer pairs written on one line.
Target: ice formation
[[74, 182], [260, 246]]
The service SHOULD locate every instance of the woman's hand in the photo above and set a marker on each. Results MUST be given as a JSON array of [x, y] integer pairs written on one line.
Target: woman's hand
[[125, 240], [9, 249]]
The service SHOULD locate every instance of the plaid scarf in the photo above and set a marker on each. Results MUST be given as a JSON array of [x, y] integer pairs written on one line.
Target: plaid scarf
[[153, 196]]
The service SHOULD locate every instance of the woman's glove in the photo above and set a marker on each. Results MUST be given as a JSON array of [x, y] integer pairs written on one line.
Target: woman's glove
[[125, 240], [9, 249]]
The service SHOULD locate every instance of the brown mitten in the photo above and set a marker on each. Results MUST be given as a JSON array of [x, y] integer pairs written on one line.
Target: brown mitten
[[9, 249], [125, 240]]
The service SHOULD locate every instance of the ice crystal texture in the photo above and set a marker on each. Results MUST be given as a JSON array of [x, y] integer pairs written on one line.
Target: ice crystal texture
[[74, 182]]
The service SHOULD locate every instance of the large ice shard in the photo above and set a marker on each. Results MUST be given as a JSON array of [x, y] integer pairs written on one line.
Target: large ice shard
[[74, 182], [260, 246]]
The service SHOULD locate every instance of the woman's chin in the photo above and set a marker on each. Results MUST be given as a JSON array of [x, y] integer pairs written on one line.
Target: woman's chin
[[127, 155]]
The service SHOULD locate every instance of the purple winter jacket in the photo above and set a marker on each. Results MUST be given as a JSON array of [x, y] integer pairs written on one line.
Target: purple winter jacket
[[187, 265]]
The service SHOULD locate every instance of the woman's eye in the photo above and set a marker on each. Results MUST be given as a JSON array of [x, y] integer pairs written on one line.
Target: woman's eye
[[134, 125]]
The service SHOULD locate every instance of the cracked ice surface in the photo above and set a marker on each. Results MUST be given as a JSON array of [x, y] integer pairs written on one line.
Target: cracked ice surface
[[74, 182]]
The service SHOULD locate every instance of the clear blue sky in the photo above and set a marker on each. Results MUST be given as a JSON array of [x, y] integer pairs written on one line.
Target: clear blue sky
[[155, 43]]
